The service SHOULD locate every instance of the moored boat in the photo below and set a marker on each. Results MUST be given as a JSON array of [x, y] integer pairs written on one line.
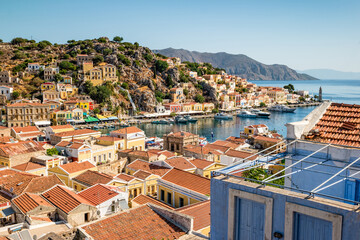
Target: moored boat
[[281, 108], [190, 119], [246, 114], [223, 116], [260, 114]]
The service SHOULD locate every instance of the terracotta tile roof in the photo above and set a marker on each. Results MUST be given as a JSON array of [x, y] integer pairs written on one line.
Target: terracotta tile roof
[[202, 150], [25, 129], [217, 147], [3, 128], [226, 144], [90, 178], [31, 135], [128, 130], [181, 134], [146, 154], [125, 177], [15, 181], [64, 199], [28, 166], [200, 212], [26, 104], [201, 163], [97, 194], [76, 166], [188, 180], [136, 223], [144, 199], [62, 127], [268, 139], [340, 124], [28, 201], [10, 149], [76, 132], [141, 174], [239, 154], [256, 126], [180, 163], [41, 184], [168, 154], [148, 167]]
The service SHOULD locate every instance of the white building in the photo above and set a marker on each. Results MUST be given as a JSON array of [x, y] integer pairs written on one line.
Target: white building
[[6, 91]]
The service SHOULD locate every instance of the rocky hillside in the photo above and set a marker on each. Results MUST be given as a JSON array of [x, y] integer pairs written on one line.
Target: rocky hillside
[[239, 64], [140, 71]]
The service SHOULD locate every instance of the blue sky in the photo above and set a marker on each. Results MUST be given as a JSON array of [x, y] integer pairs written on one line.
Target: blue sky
[[303, 34]]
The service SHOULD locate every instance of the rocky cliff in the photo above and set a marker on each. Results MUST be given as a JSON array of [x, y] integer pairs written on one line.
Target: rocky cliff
[[239, 64]]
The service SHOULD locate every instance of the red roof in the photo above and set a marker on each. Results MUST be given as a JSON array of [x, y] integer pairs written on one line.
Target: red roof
[[28, 166], [28, 201], [76, 166], [91, 178], [240, 154], [64, 199], [23, 147], [268, 139], [181, 134], [76, 132], [200, 212], [62, 127], [125, 177], [148, 167], [180, 163], [142, 174], [144, 199], [136, 223], [340, 124], [97, 194], [201, 163], [25, 129], [188, 180], [128, 130]]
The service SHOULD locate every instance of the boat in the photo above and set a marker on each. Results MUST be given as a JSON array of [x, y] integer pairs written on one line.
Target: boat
[[281, 108], [155, 122], [95, 127], [190, 119], [163, 121], [171, 121], [223, 116], [260, 114], [246, 114], [180, 119]]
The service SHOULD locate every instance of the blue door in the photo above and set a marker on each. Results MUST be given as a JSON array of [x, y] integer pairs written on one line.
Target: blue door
[[311, 228], [249, 220], [350, 190]]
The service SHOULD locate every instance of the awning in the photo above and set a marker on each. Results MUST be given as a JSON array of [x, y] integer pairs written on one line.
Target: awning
[[70, 120], [91, 119], [101, 117], [112, 118], [42, 123]]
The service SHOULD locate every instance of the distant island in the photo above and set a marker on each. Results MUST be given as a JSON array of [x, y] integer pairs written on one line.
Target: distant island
[[238, 64]]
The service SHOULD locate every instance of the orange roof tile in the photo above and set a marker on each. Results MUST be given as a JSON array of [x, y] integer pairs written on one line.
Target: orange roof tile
[[108, 138], [28, 166], [268, 139], [25, 129], [62, 127], [76, 166], [90, 178], [200, 212], [64, 199], [125, 177], [144, 199], [181, 134], [24, 147], [97, 194], [141, 174], [188, 180], [226, 144], [239, 154], [76, 132], [340, 124], [201, 163], [28, 201], [43, 183], [137, 223], [148, 167], [180, 163], [14, 181], [128, 130]]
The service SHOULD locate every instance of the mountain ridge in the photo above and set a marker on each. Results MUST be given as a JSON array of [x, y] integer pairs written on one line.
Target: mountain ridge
[[238, 64]]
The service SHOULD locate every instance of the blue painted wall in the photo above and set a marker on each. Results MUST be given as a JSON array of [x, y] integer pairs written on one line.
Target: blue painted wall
[[219, 210]]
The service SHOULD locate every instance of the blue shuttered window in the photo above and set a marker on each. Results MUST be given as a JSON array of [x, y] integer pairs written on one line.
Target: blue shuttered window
[[311, 228]]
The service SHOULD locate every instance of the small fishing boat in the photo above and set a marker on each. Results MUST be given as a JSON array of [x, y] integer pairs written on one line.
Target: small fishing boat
[[281, 108], [190, 119], [180, 119], [223, 116], [260, 114], [246, 114]]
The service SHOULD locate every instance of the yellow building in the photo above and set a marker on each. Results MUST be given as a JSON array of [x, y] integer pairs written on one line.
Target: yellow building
[[208, 107], [177, 95], [48, 161], [47, 86], [103, 154], [187, 107], [134, 137], [76, 150], [197, 107], [70, 170], [179, 188], [127, 183], [277, 95], [111, 141], [204, 167], [98, 75], [60, 117], [90, 178]]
